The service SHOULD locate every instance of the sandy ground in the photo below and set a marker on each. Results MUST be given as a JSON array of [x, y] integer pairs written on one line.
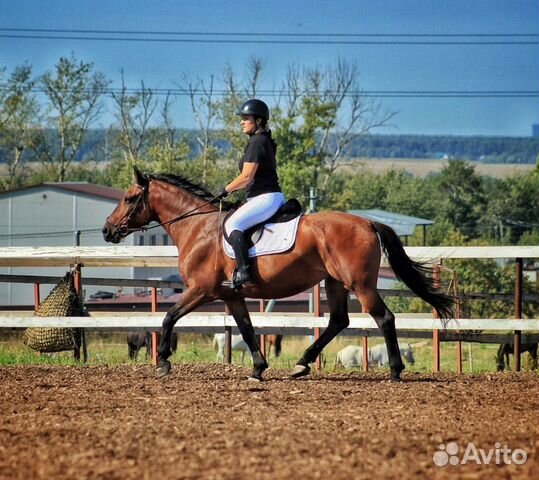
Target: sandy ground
[[208, 421]]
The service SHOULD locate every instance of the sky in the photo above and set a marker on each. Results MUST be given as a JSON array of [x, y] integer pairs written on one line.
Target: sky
[[395, 62]]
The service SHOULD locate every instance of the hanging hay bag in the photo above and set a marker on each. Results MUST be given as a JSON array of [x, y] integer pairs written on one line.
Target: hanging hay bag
[[62, 301]]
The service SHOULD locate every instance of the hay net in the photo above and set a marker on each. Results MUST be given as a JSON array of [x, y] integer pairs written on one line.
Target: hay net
[[62, 301]]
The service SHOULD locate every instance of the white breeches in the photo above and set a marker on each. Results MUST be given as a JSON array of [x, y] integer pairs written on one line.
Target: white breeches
[[256, 210]]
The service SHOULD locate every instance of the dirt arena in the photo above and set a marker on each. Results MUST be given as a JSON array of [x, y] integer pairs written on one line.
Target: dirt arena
[[207, 421]]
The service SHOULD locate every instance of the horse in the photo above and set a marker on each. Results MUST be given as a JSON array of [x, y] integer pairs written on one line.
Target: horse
[[506, 349], [275, 341], [339, 248]]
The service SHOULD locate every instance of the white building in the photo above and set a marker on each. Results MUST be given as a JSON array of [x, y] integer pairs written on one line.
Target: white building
[[49, 215]]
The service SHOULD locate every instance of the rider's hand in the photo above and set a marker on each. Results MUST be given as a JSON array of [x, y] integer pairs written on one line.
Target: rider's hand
[[222, 194]]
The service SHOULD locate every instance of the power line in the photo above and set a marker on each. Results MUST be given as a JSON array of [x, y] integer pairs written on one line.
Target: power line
[[270, 34], [256, 40], [365, 93]]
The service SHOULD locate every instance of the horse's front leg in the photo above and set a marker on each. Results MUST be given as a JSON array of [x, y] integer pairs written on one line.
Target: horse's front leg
[[190, 299], [239, 311]]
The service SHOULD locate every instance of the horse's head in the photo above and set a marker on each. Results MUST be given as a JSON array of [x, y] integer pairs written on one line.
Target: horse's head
[[131, 213]]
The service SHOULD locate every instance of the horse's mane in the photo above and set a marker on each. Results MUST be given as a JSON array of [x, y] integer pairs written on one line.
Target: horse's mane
[[186, 184]]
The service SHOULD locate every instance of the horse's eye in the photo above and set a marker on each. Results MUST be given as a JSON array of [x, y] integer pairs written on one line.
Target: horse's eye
[[130, 199]]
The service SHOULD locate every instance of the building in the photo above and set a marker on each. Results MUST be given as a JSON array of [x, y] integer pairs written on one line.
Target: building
[[404, 225], [49, 214]]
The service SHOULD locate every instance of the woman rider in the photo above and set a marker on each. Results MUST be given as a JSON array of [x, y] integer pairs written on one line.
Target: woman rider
[[259, 178]]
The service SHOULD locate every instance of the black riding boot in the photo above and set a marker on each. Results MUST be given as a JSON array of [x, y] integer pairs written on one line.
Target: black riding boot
[[242, 274]]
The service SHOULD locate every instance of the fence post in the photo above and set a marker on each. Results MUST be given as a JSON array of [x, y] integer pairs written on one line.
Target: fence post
[[155, 336], [228, 340], [261, 309], [316, 306], [518, 311], [436, 332], [36, 296], [365, 354], [78, 288]]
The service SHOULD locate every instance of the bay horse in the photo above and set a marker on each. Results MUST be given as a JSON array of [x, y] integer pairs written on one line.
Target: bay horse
[[340, 248]]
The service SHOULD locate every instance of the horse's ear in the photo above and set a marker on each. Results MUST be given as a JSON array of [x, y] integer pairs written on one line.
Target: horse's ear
[[140, 179]]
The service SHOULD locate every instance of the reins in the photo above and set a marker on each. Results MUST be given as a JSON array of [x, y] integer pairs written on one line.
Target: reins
[[178, 218], [125, 230]]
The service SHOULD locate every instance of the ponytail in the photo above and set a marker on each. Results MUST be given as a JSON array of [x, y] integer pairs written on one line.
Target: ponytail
[[265, 129]]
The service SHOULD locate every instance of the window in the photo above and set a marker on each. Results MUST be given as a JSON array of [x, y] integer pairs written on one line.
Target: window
[[153, 239], [141, 240], [165, 239]]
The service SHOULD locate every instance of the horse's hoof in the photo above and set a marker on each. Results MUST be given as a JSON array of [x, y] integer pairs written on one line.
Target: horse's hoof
[[254, 379], [395, 378], [300, 371], [163, 369]]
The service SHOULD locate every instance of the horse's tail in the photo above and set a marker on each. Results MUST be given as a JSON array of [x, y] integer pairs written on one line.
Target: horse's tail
[[415, 275]]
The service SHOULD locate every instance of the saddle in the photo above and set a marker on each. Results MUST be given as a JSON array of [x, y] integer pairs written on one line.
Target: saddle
[[288, 211]]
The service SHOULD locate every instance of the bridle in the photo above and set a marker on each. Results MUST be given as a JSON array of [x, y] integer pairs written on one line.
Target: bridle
[[122, 225]]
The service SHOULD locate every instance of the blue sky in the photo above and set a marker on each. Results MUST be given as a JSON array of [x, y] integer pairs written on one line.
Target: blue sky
[[506, 68]]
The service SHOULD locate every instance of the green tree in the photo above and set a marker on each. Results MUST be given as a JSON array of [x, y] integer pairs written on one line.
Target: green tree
[[462, 196], [18, 112]]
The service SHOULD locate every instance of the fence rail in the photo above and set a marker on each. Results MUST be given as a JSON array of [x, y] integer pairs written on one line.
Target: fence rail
[[139, 256]]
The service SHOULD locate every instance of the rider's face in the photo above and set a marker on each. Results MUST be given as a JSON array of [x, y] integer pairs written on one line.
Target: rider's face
[[248, 124]]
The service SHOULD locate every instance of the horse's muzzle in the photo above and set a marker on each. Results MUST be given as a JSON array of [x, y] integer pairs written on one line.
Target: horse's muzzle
[[111, 233]]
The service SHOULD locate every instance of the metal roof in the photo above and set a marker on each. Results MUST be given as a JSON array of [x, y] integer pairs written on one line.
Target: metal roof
[[404, 225], [84, 188]]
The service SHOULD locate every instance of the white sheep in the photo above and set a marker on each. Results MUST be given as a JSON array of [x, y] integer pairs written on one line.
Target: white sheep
[[236, 343], [378, 354], [352, 355]]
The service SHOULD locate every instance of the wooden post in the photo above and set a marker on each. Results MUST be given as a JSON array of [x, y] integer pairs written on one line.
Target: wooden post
[[436, 332], [518, 311], [155, 335], [316, 295], [36, 296], [365, 354], [458, 315], [365, 349], [261, 308], [78, 287], [228, 341]]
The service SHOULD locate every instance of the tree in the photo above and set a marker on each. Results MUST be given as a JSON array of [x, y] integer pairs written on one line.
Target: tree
[[463, 198], [73, 93], [321, 113], [133, 114], [18, 112]]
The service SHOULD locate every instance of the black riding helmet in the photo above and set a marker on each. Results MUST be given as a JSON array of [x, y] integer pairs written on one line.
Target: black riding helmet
[[254, 107]]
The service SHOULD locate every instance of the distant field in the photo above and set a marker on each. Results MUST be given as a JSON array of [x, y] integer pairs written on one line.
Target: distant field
[[422, 168], [417, 167]]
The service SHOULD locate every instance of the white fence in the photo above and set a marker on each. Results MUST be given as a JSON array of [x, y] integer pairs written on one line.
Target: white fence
[[116, 256]]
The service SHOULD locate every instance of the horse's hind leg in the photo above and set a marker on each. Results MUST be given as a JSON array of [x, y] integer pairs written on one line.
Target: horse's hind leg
[[337, 297], [373, 304], [239, 311]]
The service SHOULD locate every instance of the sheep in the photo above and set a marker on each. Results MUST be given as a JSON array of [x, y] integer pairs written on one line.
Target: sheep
[[378, 354], [352, 355], [236, 343]]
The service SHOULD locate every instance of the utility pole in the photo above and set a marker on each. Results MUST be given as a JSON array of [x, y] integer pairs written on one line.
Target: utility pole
[[312, 200]]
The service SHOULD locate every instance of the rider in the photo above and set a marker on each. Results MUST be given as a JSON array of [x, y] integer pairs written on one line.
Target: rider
[[259, 178]]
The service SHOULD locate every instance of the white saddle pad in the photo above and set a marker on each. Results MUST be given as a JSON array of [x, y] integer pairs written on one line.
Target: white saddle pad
[[276, 238]]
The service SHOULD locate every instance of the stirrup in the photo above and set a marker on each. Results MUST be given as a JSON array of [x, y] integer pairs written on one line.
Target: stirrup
[[243, 279]]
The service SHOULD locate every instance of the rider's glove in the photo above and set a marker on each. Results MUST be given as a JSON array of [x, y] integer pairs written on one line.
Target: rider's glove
[[222, 194]]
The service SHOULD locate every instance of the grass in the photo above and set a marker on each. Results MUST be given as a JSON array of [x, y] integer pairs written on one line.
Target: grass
[[111, 349]]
